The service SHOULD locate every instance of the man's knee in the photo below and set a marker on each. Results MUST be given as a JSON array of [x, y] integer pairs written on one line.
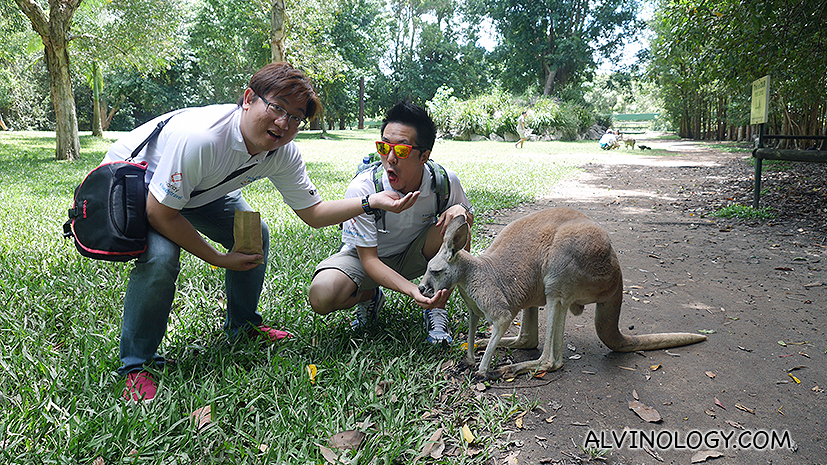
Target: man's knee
[[327, 290]]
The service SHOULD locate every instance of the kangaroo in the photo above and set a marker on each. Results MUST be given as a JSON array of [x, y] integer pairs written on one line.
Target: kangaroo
[[558, 258]]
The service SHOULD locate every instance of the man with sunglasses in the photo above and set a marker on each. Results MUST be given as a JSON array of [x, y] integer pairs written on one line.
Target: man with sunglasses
[[391, 252], [193, 180]]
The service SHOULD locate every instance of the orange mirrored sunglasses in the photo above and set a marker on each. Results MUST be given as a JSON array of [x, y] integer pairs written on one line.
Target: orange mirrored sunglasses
[[400, 150]]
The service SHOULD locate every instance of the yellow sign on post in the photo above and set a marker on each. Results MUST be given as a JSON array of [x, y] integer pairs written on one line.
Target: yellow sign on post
[[760, 100]]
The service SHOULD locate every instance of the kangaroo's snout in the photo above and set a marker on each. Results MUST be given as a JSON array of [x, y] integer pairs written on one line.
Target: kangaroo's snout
[[426, 290]]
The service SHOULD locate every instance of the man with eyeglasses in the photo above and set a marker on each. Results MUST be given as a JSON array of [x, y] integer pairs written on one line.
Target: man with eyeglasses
[[390, 252], [196, 166]]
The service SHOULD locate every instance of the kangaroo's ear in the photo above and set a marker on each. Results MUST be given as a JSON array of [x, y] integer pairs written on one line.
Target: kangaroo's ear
[[456, 236]]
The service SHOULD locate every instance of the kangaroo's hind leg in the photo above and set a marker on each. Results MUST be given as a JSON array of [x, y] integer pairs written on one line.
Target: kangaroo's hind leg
[[528, 338]]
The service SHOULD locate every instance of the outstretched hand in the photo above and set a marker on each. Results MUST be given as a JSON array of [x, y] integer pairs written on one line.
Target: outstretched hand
[[439, 300], [392, 201]]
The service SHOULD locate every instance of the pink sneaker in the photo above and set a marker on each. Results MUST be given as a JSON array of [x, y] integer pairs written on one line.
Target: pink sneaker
[[269, 333], [140, 387]]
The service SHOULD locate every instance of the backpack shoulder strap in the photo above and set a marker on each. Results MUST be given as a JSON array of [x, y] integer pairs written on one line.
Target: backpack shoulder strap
[[440, 184]]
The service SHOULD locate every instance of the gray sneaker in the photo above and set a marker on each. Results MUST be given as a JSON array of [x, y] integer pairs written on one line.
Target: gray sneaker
[[436, 323], [367, 312]]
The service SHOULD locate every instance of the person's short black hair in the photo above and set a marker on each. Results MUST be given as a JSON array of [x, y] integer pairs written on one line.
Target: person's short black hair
[[415, 116]]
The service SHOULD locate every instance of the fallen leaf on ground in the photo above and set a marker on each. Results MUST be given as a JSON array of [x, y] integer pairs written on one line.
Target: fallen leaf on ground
[[626, 368], [263, 448], [328, 454], [817, 389], [311, 373], [746, 409], [703, 455], [202, 416], [706, 331], [551, 418], [799, 367], [467, 435], [710, 374], [99, 461], [382, 387], [519, 420], [433, 448], [709, 412], [634, 394], [782, 343], [350, 439], [719, 404], [511, 459], [645, 412], [734, 424], [655, 367]]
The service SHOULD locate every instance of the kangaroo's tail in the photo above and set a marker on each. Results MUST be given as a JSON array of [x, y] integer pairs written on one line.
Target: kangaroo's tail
[[606, 318]]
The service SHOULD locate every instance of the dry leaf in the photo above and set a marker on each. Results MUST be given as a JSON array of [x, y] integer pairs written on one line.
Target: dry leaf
[[311, 372], [703, 455], [263, 448], [719, 404], [466, 434], [634, 394], [645, 412], [709, 412], [710, 374], [382, 387], [433, 447], [746, 409], [350, 439], [328, 454], [99, 461], [202, 416], [519, 420], [654, 367], [734, 424], [627, 368], [511, 459], [550, 419]]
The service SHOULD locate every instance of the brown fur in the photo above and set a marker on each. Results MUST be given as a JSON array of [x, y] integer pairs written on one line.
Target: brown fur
[[556, 258]]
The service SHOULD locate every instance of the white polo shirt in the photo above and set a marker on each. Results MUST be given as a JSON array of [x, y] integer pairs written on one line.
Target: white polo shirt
[[403, 227], [199, 147]]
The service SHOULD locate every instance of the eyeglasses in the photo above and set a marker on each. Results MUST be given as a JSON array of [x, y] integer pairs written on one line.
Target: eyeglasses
[[400, 150], [279, 113]]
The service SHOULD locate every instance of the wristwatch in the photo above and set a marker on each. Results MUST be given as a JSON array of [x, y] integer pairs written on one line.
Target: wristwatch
[[366, 205]]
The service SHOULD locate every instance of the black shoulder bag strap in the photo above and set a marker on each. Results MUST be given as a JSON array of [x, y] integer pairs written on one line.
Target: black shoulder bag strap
[[230, 177], [149, 138]]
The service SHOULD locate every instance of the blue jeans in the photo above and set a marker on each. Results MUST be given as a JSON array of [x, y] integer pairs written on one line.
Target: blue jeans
[[151, 286]]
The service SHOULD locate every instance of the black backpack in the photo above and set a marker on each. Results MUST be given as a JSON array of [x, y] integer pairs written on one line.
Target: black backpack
[[108, 216]]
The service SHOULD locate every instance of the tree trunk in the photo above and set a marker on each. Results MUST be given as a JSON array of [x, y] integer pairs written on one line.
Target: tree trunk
[[277, 19], [63, 98], [362, 102], [551, 75], [97, 83], [54, 32]]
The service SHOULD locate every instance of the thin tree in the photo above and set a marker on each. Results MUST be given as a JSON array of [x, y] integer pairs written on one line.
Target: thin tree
[[54, 32]]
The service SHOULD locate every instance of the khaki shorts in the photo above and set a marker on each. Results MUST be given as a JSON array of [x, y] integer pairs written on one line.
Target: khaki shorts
[[411, 263]]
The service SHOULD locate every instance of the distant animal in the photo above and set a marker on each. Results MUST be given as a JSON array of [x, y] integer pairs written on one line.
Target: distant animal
[[558, 258], [629, 143], [644, 147]]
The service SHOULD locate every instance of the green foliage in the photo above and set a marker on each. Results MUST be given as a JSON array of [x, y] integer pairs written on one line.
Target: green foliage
[[557, 38], [705, 56], [745, 212], [497, 112]]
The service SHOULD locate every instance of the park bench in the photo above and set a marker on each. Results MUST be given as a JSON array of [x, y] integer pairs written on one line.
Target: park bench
[[761, 153]]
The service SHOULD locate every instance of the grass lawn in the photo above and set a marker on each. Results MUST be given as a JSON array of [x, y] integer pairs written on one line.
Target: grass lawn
[[59, 392]]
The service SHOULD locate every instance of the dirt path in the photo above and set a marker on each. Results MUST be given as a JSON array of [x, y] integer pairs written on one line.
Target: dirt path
[[760, 286]]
